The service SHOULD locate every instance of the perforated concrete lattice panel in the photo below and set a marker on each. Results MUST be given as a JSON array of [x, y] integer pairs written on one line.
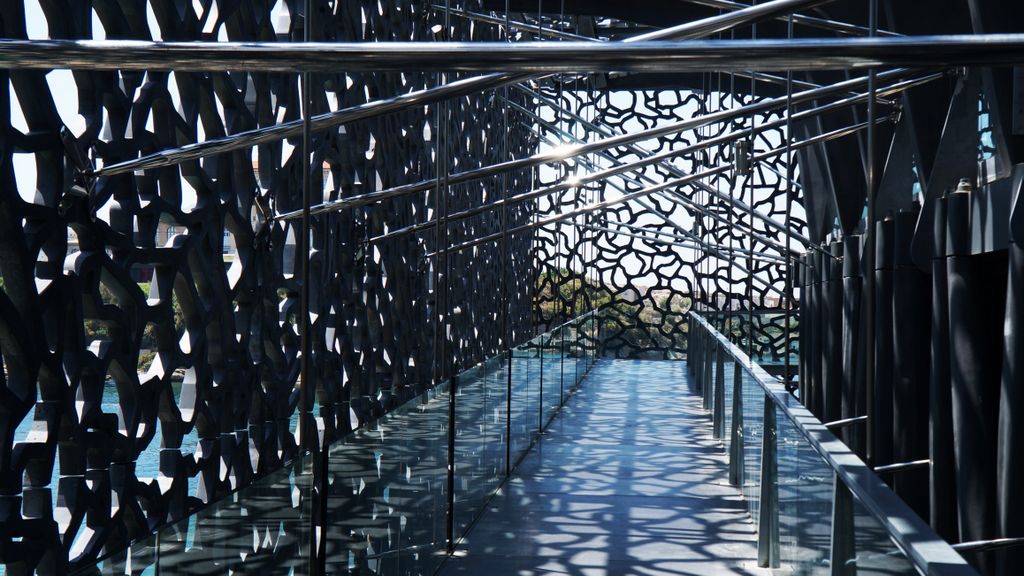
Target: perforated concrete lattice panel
[[150, 321], [149, 332]]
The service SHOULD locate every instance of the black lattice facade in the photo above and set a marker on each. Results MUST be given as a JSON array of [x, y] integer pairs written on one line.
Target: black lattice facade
[[126, 331], [151, 329], [648, 260]]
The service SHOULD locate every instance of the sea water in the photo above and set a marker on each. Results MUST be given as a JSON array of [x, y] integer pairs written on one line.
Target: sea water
[[147, 465]]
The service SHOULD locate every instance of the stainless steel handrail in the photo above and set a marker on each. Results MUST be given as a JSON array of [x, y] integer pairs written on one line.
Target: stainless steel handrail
[[643, 55], [926, 551]]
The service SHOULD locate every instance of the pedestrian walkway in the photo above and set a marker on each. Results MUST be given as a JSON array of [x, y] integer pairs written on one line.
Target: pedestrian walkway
[[626, 481]]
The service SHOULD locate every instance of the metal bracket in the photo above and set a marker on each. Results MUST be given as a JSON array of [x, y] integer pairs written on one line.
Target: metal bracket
[[84, 182], [743, 157]]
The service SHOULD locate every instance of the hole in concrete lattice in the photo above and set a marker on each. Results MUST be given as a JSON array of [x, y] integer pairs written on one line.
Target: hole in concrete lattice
[[281, 17], [235, 251], [183, 306], [148, 347]]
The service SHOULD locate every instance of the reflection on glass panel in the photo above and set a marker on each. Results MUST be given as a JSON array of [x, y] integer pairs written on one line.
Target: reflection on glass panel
[[388, 491], [264, 526], [874, 552], [525, 399], [727, 409], [805, 478], [551, 375], [769, 335], [805, 502], [753, 437], [986, 144], [480, 409], [387, 481]]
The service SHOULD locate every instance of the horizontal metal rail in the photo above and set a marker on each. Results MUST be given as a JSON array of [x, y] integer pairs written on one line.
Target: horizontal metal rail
[[800, 19], [710, 248], [801, 54], [902, 466], [647, 156], [679, 242], [669, 167], [782, 176], [846, 422], [707, 247], [542, 31], [524, 26], [645, 230], [744, 312], [828, 136], [713, 249], [567, 152], [265, 135], [675, 197], [269, 134], [926, 551], [983, 545], [797, 84]]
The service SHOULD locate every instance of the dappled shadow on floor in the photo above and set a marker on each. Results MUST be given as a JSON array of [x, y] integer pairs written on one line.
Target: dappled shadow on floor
[[627, 480]]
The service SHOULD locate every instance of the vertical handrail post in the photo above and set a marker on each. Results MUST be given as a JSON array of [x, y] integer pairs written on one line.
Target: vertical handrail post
[[506, 302], [736, 448], [575, 350], [561, 361], [714, 350], [540, 386], [442, 364], [693, 352], [453, 388], [508, 413], [705, 349], [718, 402], [768, 521], [705, 362], [841, 542], [307, 390], [870, 237], [595, 332], [788, 310], [701, 360], [689, 343]]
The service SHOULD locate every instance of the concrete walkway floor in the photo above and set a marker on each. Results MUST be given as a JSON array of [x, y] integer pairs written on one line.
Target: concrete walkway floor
[[626, 481]]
